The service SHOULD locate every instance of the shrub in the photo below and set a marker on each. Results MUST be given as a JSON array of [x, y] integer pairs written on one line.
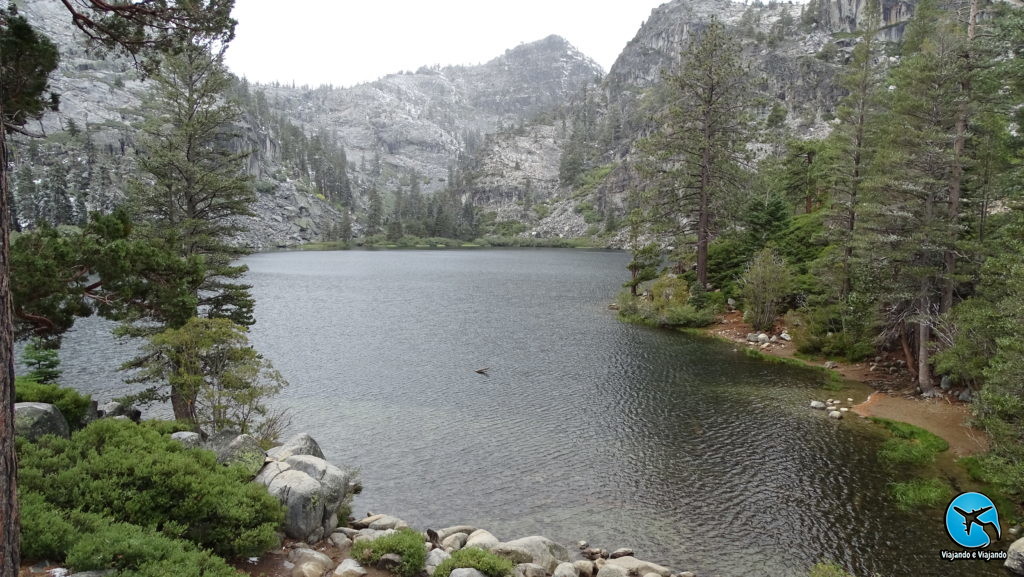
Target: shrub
[[139, 552], [686, 316], [484, 561], [134, 474], [73, 405], [45, 532], [404, 542], [766, 283]]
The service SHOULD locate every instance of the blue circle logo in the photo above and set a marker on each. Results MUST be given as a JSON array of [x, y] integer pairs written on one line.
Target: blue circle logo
[[972, 521]]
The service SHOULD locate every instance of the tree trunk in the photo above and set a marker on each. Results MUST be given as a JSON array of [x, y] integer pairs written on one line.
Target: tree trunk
[[10, 534], [924, 334], [183, 406]]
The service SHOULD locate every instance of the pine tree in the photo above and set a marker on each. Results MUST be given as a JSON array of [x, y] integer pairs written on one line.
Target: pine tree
[[696, 159]]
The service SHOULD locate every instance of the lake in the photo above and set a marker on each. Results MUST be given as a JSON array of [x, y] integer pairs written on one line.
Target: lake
[[585, 428]]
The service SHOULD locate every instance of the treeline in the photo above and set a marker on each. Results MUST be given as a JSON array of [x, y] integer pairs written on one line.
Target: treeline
[[900, 231]]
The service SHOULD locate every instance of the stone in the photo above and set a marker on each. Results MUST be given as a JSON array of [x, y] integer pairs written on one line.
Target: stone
[[651, 575], [622, 552], [752, 337], [455, 541], [371, 534], [387, 522], [349, 568], [763, 338], [687, 574], [585, 567], [582, 545], [599, 563], [365, 522], [634, 566], [435, 558], [774, 339], [817, 405], [466, 572], [831, 365], [835, 415], [946, 383], [731, 302], [528, 570], [965, 395], [270, 470], [34, 420], [341, 542], [1015, 558], [311, 501], [301, 444], [785, 336], [566, 569], [481, 539], [610, 570], [232, 448], [348, 532], [591, 553], [844, 410], [309, 563], [189, 439], [541, 550], [448, 531], [389, 561]]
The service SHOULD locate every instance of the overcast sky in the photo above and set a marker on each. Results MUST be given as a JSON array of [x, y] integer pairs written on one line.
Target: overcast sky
[[346, 42]]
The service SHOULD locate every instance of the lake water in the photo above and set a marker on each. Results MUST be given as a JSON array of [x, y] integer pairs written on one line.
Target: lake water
[[586, 428]]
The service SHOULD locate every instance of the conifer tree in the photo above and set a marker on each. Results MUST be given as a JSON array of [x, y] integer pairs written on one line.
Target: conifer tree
[[696, 159]]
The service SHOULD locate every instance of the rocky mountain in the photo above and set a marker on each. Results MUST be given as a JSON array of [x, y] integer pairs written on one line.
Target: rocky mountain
[[538, 139]]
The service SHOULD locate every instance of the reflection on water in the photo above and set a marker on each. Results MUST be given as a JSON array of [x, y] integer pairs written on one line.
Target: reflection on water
[[586, 428]]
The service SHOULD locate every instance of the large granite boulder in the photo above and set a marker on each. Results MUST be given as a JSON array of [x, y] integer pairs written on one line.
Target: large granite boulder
[[311, 489], [33, 420], [534, 549], [481, 539], [301, 444], [634, 566]]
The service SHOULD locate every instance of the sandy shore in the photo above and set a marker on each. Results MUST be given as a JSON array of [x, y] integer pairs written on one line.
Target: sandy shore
[[894, 397]]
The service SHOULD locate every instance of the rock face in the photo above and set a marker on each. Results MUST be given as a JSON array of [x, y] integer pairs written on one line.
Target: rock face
[[849, 15], [34, 420], [310, 488]]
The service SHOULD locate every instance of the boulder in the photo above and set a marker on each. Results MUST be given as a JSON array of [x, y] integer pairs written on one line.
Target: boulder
[[33, 420], [349, 568], [455, 541], [311, 490], [303, 556], [116, 409], [371, 534], [585, 568], [341, 542], [751, 337], [529, 570], [232, 448], [365, 522], [435, 558], [301, 444], [448, 531], [189, 439], [624, 551], [481, 539], [541, 550], [634, 566], [831, 365], [818, 405], [835, 414], [1015, 558], [308, 570], [466, 572], [387, 522], [566, 569], [785, 336], [763, 338], [610, 570]]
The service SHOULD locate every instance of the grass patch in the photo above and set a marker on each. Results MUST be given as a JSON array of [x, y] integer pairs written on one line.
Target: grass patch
[[827, 569], [484, 561], [832, 380], [404, 542], [918, 493], [909, 445]]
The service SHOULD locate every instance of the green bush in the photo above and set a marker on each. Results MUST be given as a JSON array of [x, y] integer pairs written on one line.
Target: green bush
[[686, 316], [404, 542], [133, 474], [73, 405], [45, 530], [139, 552], [484, 561]]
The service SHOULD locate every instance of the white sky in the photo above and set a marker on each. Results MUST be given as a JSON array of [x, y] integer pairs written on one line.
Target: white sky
[[346, 42]]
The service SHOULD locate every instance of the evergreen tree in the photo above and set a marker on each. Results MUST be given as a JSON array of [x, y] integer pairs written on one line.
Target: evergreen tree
[[696, 159], [374, 212]]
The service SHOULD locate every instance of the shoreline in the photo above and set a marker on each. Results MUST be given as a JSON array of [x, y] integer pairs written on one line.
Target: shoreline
[[893, 397]]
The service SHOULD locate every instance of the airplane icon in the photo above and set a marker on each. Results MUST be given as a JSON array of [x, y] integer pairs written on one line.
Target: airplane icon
[[972, 519]]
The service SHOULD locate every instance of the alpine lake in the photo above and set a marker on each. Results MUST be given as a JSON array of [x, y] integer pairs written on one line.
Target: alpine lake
[[685, 449]]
